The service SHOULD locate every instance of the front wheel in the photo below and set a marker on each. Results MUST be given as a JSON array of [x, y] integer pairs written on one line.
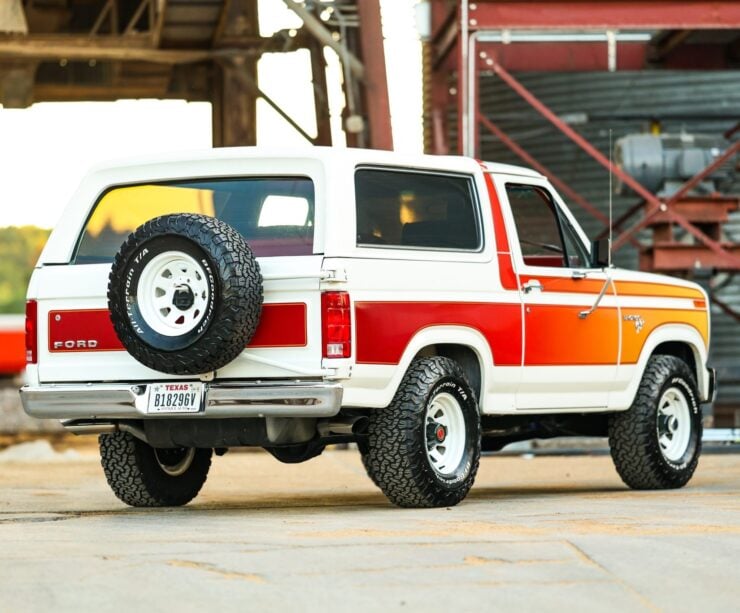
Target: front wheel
[[143, 476], [657, 442], [423, 450]]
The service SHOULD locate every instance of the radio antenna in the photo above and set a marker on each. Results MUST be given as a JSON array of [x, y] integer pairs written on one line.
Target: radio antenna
[[609, 259]]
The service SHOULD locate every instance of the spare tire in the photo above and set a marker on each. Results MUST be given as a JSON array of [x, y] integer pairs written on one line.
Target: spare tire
[[185, 294]]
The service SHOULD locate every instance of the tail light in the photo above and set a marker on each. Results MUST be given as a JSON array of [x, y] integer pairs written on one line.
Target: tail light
[[31, 332], [336, 325]]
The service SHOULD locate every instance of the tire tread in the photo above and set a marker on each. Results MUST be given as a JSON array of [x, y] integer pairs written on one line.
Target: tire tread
[[128, 466], [394, 460], [633, 440]]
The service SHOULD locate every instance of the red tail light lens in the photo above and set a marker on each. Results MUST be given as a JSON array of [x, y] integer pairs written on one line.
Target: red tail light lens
[[31, 332], [336, 325]]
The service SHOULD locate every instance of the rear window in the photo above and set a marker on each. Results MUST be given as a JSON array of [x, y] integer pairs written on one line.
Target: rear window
[[275, 215], [416, 210]]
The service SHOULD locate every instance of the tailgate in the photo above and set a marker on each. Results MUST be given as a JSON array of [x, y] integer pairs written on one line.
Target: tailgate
[[77, 343]]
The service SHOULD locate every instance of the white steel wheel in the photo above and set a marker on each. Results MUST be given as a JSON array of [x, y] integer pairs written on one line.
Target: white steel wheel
[[173, 293], [445, 434], [175, 462], [674, 424]]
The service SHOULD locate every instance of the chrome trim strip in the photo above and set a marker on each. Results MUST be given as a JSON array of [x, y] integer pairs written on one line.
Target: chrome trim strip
[[222, 400]]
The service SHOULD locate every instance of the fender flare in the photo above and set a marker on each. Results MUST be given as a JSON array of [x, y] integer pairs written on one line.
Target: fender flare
[[682, 333], [447, 335]]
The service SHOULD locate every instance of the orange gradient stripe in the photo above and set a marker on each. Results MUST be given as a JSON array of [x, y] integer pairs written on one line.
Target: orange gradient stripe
[[633, 341], [624, 288], [556, 336]]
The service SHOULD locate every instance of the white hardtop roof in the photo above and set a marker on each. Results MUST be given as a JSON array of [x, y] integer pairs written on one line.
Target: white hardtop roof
[[320, 154], [511, 169], [233, 161]]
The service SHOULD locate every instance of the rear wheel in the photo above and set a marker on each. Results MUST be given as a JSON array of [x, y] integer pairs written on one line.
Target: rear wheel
[[143, 476], [423, 450], [657, 442]]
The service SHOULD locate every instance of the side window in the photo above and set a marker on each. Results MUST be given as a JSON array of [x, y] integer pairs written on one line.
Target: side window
[[546, 237], [414, 209], [576, 253]]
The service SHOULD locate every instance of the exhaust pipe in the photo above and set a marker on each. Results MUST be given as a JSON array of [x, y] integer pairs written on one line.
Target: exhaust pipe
[[97, 427], [343, 425], [89, 428]]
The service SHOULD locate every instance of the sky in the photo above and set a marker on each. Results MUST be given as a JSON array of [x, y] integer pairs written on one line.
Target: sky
[[46, 149]]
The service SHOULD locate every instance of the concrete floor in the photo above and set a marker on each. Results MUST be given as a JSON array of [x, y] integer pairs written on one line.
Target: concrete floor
[[545, 534]]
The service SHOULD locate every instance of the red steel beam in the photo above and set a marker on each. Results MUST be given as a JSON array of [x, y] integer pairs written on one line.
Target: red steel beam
[[543, 110], [606, 14], [700, 176], [564, 56], [732, 260], [585, 56], [677, 256], [377, 105], [674, 216], [562, 187]]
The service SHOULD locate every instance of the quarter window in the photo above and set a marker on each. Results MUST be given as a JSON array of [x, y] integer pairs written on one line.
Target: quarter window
[[415, 210]]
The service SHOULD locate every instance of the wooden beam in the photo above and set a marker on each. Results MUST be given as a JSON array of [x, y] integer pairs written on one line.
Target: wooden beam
[[108, 10], [132, 47], [143, 5], [233, 102], [159, 24], [107, 92]]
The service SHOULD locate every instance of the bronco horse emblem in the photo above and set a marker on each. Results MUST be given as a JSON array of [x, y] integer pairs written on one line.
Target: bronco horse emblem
[[637, 320]]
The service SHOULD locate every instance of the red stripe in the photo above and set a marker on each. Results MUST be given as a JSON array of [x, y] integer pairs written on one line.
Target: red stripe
[[74, 331], [507, 273], [502, 240], [281, 325], [500, 324]]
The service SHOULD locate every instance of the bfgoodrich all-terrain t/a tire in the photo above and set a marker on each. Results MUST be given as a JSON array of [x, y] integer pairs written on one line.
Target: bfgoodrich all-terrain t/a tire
[[142, 476], [423, 450], [185, 294], [657, 442]]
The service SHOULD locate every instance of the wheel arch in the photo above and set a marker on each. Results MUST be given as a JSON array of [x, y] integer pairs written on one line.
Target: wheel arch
[[464, 355], [467, 346], [681, 350], [680, 340]]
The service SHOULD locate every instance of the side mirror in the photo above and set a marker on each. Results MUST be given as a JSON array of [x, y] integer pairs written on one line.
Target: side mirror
[[600, 253]]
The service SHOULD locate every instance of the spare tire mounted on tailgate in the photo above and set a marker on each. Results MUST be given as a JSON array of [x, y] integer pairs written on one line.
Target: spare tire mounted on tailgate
[[185, 294]]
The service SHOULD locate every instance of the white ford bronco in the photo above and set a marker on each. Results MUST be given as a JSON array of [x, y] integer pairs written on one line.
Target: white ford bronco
[[424, 308]]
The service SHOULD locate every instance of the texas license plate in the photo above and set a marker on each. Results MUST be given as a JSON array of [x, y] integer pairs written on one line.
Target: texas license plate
[[175, 397]]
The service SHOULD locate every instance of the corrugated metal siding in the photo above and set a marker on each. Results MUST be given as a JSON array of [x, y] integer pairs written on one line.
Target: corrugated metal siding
[[606, 101]]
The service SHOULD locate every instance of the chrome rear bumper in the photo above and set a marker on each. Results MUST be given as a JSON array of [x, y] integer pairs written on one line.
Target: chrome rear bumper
[[221, 400]]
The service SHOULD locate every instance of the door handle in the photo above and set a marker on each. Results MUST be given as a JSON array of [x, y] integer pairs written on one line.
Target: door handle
[[531, 285]]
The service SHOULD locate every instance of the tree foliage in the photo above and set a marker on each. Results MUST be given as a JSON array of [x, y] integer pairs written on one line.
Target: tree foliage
[[19, 250]]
